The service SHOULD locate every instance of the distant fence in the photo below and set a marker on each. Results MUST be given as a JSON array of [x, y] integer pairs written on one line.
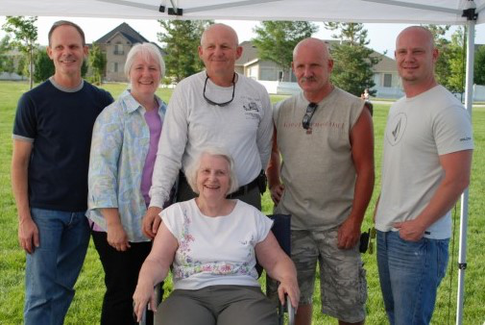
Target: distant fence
[[280, 87], [11, 76], [478, 93], [292, 88], [388, 92]]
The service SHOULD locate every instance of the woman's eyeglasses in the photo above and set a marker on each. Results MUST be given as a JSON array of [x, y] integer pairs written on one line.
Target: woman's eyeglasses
[[215, 103], [310, 110]]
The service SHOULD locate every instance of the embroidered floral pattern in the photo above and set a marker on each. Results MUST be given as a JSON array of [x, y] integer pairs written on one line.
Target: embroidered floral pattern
[[187, 266]]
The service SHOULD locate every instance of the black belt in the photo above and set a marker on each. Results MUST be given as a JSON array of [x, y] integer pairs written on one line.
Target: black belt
[[243, 190]]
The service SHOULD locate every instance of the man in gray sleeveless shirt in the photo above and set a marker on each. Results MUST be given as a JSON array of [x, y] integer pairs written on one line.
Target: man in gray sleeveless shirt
[[325, 181]]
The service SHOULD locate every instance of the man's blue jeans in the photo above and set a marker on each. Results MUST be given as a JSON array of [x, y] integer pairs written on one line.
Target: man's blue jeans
[[53, 268], [410, 273]]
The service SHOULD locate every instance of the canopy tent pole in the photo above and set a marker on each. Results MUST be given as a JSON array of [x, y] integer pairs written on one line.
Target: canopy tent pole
[[470, 59]]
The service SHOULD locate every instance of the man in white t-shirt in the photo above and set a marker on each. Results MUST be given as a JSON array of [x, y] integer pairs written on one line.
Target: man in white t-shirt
[[215, 107], [427, 157]]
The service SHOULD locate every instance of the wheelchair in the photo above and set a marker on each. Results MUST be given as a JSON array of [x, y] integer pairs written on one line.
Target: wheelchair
[[282, 231]]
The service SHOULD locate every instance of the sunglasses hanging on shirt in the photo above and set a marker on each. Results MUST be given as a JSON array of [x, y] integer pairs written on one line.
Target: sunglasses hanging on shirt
[[211, 102], [310, 110]]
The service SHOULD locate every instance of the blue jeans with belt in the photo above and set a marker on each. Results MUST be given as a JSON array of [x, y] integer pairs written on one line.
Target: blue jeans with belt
[[52, 269], [409, 274]]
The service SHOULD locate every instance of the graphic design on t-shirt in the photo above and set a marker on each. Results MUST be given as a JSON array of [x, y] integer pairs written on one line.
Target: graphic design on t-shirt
[[189, 264], [252, 108], [396, 128]]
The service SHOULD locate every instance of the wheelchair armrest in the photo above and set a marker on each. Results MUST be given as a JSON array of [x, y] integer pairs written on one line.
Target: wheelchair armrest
[[158, 289], [291, 311], [158, 293]]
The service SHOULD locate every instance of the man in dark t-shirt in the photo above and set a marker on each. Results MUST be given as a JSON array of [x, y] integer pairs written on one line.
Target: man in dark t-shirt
[[51, 141]]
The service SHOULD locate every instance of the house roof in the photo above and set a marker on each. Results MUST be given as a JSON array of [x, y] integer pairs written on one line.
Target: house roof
[[250, 53], [385, 64], [124, 29]]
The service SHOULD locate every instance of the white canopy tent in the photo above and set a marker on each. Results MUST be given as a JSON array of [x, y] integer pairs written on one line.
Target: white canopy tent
[[440, 12], [385, 11]]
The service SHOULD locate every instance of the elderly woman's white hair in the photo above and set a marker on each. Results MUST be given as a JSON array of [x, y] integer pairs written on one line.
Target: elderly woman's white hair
[[147, 51], [193, 169]]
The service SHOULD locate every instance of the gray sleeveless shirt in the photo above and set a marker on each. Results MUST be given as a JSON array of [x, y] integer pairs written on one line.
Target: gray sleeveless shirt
[[317, 168]]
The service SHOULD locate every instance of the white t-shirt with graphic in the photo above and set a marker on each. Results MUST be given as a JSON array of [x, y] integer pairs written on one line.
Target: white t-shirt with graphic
[[243, 127], [215, 250], [419, 130]]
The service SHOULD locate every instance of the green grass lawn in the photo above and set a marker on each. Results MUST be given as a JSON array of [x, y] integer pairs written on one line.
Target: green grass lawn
[[86, 306]]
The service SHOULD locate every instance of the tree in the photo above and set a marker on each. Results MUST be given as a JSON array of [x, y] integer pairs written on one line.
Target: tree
[[4, 58], [353, 61], [21, 67], [352, 33], [479, 75], [8, 65], [456, 79], [97, 61], [44, 67], [25, 33], [180, 42], [84, 69], [276, 40], [442, 66]]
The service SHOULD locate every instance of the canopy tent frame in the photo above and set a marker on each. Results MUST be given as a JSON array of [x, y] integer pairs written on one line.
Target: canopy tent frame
[[449, 12]]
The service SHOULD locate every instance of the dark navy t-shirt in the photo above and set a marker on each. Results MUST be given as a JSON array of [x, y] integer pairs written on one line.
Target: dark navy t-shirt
[[60, 124]]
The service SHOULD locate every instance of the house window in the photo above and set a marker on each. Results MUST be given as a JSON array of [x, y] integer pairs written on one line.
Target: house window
[[268, 74], [115, 66], [387, 80], [119, 49], [253, 73]]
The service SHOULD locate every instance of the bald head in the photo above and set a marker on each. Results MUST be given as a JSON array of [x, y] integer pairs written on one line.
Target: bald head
[[314, 45], [219, 31], [421, 34], [312, 66], [416, 57], [219, 50]]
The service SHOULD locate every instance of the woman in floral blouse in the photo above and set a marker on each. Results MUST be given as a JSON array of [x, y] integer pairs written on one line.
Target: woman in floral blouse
[[123, 151]]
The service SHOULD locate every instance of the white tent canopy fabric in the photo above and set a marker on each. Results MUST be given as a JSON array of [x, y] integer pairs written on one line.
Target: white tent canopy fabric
[[439, 12], [375, 11]]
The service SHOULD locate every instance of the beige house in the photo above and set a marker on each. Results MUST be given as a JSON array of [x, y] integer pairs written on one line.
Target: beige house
[[251, 66], [386, 78], [116, 45]]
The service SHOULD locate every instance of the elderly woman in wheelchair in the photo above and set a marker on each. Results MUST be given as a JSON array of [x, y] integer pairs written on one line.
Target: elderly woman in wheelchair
[[212, 244]]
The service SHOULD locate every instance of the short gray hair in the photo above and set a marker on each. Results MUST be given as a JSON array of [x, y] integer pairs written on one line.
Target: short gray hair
[[147, 51], [193, 169]]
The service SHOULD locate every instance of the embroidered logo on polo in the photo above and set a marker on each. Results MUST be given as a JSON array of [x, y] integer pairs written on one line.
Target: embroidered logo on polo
[[396, 128]]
